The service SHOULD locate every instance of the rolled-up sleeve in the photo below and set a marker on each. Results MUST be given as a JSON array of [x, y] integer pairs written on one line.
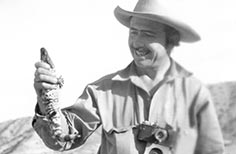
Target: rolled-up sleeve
[[210, 139], [82, 119]]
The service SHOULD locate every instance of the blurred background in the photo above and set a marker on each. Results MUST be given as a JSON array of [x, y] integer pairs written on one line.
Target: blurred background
[[86, 42]]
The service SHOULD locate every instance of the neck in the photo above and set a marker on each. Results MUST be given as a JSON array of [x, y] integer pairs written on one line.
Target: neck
[[151, 77], [157, 72]]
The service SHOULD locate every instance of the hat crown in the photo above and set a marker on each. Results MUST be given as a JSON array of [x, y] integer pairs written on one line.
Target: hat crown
[[149, 6]]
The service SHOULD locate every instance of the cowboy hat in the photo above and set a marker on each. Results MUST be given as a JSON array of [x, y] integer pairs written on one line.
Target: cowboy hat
[[156, 11]]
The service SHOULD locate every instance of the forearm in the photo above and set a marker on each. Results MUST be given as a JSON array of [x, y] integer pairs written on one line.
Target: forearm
[[43, 127], [79, 121], [70, 123]]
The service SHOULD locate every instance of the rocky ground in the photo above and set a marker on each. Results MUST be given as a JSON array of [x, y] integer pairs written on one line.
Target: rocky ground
[[224, 97], [18, 137]]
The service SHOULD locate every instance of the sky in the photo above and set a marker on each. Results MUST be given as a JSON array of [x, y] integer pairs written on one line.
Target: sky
[[86, 42]]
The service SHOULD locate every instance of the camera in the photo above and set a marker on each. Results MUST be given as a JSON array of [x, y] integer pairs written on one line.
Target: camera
[[159, 140], [152, 148]]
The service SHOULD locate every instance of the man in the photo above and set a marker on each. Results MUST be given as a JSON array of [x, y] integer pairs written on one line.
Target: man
[[152, 106]]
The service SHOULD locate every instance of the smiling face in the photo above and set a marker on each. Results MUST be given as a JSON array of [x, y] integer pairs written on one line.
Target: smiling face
[[147, 42]]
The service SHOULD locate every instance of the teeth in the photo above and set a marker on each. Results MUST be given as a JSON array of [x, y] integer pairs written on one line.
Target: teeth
[[141, 52]]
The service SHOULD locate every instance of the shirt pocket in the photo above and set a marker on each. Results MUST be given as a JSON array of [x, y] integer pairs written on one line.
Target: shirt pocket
[[186, 141], [124, 140]]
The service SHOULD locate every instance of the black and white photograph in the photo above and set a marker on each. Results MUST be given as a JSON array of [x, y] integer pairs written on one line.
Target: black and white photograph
[[117, 77]]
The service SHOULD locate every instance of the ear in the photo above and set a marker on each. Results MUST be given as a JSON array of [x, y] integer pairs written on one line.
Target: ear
[[169, 48]]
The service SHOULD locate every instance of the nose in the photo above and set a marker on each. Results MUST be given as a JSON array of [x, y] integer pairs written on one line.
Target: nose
[[137, 40]]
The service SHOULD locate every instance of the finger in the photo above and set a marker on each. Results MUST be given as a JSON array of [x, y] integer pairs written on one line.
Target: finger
[[43, 85], [44, 71], [46, 78], [42, 64]]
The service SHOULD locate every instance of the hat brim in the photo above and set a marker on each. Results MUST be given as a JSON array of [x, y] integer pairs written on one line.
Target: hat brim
[[187, 34]]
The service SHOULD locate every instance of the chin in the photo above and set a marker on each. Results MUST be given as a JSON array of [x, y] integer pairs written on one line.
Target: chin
[[142, 64]]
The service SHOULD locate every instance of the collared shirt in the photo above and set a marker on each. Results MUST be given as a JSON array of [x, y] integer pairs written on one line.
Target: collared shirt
[[119, 103]]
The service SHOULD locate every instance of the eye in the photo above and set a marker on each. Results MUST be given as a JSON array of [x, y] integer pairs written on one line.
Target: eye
[[149, 34], [133, 32]]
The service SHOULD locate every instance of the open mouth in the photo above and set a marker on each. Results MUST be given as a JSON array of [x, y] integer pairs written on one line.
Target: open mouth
[[141, 52]]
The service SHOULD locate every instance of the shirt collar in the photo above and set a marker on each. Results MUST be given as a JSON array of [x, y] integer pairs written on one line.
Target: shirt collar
[[130, 73]]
